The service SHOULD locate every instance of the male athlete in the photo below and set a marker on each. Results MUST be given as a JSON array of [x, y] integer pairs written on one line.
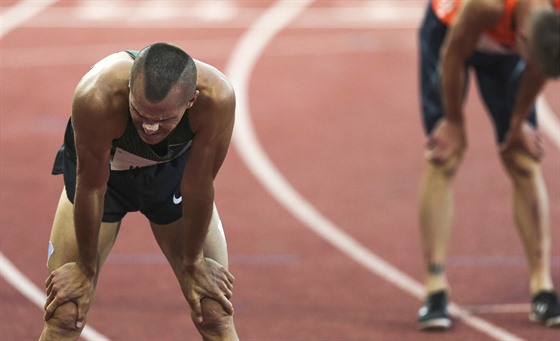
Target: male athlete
[[512, 46], [148, 132]]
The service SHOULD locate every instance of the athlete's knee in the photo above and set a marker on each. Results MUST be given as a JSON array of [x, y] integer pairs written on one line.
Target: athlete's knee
[[448, 166], [217, 323], [518, 164], [63, 321]]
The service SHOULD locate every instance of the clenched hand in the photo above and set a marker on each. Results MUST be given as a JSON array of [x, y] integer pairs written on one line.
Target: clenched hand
[[69, 284], [447, 139], [528, 139], [208, 279]]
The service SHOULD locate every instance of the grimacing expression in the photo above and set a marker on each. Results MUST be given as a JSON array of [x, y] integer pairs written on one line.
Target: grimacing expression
[[155, 121]]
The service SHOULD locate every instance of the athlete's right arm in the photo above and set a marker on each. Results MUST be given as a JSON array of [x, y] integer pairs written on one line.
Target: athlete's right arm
[[448, 138], [474, 17], [97, 117], [92, 174]]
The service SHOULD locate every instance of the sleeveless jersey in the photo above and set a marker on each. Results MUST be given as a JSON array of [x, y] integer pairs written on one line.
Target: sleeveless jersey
[[498, 39], [129, 151]]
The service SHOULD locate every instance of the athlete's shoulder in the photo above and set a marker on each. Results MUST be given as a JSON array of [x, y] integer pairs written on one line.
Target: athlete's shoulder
[[108, 73], [474, 11], [214, 107], [212, 83], [102, 93], [106, 81], [485, 10]]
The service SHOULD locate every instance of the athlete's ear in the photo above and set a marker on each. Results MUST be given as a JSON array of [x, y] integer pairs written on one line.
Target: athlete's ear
[[193, 99]]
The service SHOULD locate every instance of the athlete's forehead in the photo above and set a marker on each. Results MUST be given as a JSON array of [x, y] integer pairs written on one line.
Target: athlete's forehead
[[168, 108]]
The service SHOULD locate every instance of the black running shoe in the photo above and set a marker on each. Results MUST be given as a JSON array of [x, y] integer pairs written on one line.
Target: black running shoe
[[546, 309], [433, 315]]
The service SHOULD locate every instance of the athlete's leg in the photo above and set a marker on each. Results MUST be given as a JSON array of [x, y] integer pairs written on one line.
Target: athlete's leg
[[436, 219], [530, 201], [218, 324], [531, 210], [435, 198], [61, 326]]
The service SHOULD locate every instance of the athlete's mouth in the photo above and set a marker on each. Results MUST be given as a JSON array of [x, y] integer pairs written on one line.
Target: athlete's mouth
[[148, 136], [150, 129]]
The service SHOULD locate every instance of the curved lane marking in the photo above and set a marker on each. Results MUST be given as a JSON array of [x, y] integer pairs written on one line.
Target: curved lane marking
[[239, 68], [12, 18]]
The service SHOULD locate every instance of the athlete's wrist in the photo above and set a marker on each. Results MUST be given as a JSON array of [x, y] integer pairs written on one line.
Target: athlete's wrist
[[191, 262], [89, 270], [455, 118]]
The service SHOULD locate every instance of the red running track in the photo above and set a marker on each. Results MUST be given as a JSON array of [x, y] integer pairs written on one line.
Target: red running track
[[333, 99]]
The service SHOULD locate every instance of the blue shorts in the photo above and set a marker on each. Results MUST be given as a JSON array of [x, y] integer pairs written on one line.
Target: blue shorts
[[154, 190], [497, 77]]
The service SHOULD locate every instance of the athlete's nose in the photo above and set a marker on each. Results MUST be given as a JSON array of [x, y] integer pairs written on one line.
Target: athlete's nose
[[150, 128]]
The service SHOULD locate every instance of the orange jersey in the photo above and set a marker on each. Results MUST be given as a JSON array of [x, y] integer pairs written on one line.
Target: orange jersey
[[499, 38]]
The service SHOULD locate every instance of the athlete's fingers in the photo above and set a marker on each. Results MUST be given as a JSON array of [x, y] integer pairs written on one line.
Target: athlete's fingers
[[48, 301], [47, 315], [197, 310], [226, 291], [435, 155], [81, 316], [230, 277], [432, 149], [226, 303], [229, 285], [48, 281], [540, 146], [49, 290], [50, 308], [227, 279]]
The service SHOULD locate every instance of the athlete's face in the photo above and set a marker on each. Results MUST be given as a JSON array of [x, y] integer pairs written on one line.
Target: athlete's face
[[154, 121]]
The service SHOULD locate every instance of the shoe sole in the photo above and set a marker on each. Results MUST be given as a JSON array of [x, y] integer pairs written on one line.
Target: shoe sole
[[551, 322], [435, 324]]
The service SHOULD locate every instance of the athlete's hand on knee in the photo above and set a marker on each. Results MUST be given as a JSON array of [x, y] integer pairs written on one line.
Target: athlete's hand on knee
[[208, 279], [68, 284], [528, 139], [447, 139]]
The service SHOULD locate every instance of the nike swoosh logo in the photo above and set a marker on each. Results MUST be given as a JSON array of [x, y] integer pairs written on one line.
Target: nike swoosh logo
[[177, 200]]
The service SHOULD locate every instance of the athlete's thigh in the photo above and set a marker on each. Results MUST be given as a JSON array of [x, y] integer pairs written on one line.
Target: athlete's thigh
[[498, 80], [215, 245], [63, 245], [171, 240], [431, 37]]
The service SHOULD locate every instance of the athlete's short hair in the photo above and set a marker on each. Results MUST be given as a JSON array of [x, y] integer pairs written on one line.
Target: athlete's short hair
[[545, 40], [164, 65]]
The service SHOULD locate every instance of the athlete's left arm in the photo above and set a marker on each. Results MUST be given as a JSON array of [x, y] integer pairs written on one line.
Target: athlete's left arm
[[211, 119], [530, 85]]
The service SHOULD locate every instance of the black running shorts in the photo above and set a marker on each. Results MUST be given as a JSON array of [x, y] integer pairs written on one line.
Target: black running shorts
[[154, 190], [497, 76]]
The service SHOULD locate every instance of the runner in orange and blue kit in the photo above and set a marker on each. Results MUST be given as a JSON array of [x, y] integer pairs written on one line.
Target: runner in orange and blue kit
[[513, 47]]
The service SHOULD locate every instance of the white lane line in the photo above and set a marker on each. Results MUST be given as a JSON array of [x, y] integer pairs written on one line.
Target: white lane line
[[294, 44], [227, 14], [512, 308], [16, 15], [239, 68], [16, 279], [11, 18]]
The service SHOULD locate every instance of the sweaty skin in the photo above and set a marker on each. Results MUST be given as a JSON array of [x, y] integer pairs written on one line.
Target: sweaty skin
[[197, 254], [520, 152]]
